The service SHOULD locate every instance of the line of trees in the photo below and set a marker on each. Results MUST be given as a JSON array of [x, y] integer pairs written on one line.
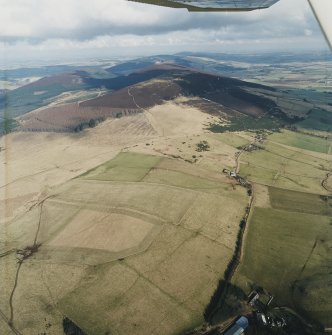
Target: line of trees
[[223, 285], [88, 124]]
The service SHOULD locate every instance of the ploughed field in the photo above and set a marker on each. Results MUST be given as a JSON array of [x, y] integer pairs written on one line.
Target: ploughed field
[[137, 245]]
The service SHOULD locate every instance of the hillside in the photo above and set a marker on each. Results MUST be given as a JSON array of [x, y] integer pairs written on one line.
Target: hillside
[[80, 83], [234, 101]]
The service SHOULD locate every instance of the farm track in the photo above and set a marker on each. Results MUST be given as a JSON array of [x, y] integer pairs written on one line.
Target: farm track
[[13, 329], [238, 252], [135, 103], [10, 320], [8, 252], [309, 256]]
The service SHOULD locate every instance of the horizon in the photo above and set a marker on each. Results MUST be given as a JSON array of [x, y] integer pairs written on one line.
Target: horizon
[[113, 60], [127, 29]]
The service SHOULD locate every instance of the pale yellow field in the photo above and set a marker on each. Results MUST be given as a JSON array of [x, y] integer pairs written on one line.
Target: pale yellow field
[[35, 303], [34, 162], [169, 244], [103, 231], [135, 256], [174, 118], [262, 197]]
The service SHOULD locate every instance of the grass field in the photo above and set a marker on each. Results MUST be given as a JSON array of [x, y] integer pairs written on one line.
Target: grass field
[[103, 231], [126, 167], [277, 175], [289, 254], [283, 166], [305, 157], [181, 179], [232, 139], [288, 243], [301, 141], [300, 202], [148, 239], [138, 244]]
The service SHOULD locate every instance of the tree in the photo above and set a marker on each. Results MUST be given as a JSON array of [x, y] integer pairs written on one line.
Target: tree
[[202, 146], [92, 123]]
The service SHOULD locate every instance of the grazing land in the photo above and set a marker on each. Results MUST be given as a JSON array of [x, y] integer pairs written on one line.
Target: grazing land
[[302, 141], [148, 232], [233, 139], [287, 246], [300, 202], [121, 209], [285, 166], [288, 253], [160, 238]]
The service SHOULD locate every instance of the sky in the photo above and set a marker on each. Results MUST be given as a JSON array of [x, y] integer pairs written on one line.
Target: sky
[[82, 29]]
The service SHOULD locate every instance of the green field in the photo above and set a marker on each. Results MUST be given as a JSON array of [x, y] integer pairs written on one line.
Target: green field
[[300, 202], [268, 169], [306, 158], [289, 254], [181, 179], [302, 141], [232, 139], [287, 166], [125, 167], [288, 245]]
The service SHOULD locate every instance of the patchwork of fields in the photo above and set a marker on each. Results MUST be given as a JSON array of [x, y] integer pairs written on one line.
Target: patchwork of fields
[[164, 282], [138, 244], [289, 236], [290, 160], [150, 238], [123, 225], [289, 253]]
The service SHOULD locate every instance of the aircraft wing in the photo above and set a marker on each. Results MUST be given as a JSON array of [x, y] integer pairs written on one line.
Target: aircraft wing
[[323, 12], [321, 8], [212, 5]]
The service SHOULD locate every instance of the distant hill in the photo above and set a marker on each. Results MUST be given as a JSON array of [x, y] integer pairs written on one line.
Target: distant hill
[[229, 98], [207, 78], [37, 94]]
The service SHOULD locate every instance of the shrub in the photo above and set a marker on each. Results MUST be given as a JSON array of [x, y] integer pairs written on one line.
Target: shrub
[[202, 146]]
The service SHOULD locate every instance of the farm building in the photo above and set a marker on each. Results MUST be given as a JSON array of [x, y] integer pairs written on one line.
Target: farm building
[[261, 318], [238, 327], [252, 298]]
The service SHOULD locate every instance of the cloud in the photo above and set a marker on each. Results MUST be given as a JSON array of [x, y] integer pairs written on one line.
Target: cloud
[[38, 25], [86, 19]]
